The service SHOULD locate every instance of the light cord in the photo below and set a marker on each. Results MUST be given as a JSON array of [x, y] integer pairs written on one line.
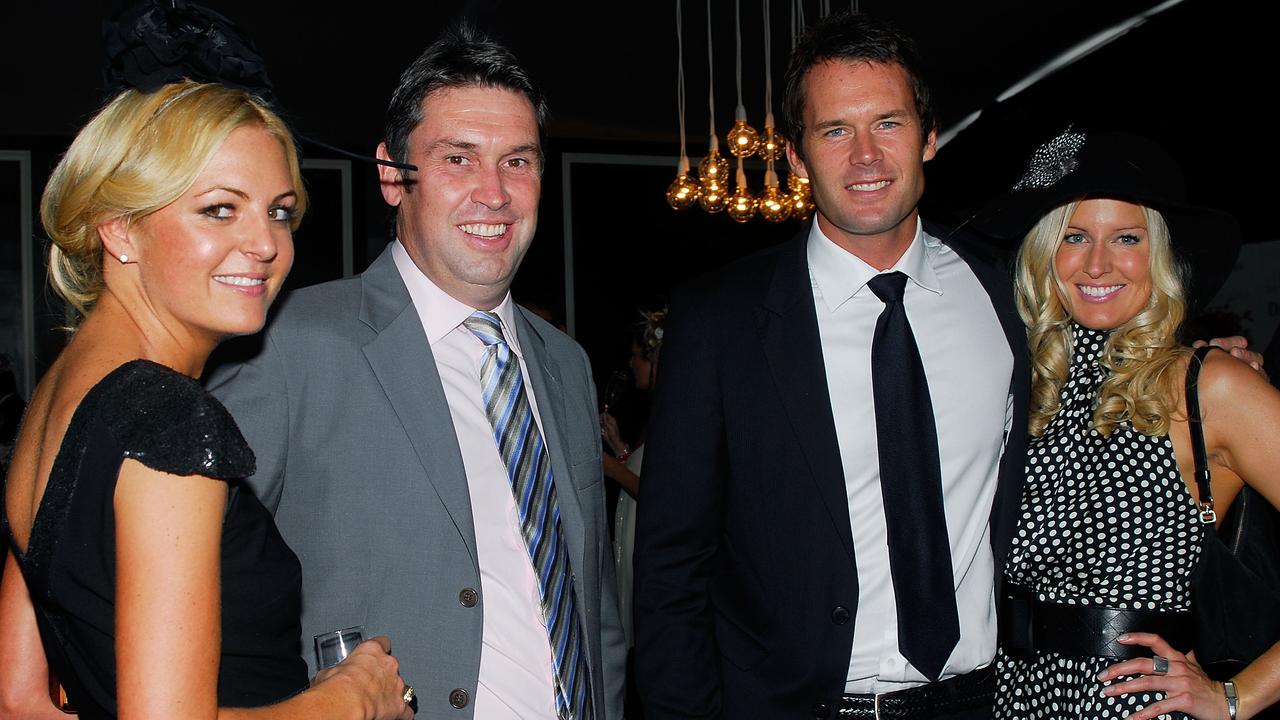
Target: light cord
[[711, 80], [680, 101], [797, 21], [737, 36], [768, 67]]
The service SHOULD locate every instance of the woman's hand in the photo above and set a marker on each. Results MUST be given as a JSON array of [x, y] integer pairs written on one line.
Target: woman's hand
[[1187, 689], [370, 678], [609, 430]]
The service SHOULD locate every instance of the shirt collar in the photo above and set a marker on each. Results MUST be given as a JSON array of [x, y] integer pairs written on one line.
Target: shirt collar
[[841, 275], [440, 312]]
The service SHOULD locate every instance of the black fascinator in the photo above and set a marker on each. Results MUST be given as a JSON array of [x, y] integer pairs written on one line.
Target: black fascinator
[[162, 41], [156, 42]]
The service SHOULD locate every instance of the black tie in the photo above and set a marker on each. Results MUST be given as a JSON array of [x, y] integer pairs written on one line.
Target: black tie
[[911, 483]]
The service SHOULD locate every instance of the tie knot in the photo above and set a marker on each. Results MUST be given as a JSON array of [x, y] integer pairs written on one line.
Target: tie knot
[[889, 286], [487, 326]]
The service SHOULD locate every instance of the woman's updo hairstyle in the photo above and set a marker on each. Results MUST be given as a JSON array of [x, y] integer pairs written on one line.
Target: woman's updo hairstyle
[[138, 154]]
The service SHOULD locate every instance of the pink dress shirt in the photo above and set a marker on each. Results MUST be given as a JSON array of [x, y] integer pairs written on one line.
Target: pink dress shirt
[[516, 674]]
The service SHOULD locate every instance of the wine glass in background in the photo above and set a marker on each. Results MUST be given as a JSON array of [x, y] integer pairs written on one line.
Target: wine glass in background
[[619, 382], [333, 647]]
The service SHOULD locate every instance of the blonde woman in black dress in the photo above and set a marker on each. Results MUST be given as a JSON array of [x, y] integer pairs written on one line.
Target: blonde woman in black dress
[[138, 567]]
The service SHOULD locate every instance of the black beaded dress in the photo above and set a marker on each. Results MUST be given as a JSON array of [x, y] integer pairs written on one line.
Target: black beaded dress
[[1106, 521], [168, 422]]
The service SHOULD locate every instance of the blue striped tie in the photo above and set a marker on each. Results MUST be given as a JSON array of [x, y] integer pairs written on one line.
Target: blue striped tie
[[529, 469]]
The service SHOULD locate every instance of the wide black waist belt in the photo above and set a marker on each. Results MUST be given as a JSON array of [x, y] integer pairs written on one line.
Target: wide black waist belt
[[962, 692], [1029, 626]]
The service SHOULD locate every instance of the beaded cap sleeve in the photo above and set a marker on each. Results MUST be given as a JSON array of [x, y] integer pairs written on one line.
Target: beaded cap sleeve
[[169, 423]]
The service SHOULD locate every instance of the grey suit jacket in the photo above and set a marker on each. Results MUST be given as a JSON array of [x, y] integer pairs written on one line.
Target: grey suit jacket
[[357, 456]]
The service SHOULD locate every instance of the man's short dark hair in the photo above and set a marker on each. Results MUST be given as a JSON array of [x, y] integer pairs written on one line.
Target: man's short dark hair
[[462, 57], [850, 36]]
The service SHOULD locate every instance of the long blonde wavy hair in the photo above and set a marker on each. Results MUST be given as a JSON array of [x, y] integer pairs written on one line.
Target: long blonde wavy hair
[[138, 154], [1140, 354]]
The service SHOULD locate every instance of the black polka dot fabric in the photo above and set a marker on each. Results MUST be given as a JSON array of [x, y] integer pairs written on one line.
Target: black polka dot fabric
[[1106, 521]]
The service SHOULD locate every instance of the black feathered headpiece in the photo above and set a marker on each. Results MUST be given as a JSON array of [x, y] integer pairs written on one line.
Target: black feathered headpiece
[[162, 41], [156, 42]]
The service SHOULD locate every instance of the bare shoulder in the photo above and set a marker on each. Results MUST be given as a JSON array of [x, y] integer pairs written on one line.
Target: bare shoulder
[[1241, 413], [1227, 380], [1240, 410]]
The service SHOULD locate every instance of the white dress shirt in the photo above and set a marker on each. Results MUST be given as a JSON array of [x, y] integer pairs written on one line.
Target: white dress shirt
[[969, 366], [516, 671]]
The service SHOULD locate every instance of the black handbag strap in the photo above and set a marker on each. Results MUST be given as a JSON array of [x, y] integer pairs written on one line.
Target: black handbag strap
[[1208, 517]]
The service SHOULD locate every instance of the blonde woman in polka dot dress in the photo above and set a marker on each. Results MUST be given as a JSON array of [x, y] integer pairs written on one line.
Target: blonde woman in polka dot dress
[[1109, 519]]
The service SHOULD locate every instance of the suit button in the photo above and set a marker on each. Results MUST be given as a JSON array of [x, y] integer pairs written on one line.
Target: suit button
[[820, 710], [468, 597], [459, 698], [840, 615]]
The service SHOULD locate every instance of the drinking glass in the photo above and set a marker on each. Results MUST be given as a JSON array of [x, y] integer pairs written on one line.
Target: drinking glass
[[333, 647], [619, 382]]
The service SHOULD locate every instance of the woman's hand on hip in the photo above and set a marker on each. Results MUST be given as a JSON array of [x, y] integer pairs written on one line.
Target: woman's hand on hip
[[1186, 687]]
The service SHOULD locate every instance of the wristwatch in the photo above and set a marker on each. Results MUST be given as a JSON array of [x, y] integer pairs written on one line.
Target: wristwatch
[[1233, 699]]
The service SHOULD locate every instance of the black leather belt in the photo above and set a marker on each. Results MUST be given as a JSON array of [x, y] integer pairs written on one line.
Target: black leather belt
[[955, 694], [1029, 626]]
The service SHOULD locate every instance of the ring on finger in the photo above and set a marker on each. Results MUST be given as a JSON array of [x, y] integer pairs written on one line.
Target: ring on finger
[[409, 694], [1159, 665]]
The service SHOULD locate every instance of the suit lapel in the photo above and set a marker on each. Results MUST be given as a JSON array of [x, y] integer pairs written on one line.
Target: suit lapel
[[402, 362], [788, 326], [548, 392]]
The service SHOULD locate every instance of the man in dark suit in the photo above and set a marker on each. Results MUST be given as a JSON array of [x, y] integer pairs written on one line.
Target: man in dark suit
[[371, 406], [777, 528]]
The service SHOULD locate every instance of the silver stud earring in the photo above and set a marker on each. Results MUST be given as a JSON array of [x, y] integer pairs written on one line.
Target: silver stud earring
[[124, 259]]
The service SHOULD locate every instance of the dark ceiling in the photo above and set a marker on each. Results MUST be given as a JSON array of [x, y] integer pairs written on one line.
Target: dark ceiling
[[609, 69], [1194, 76]]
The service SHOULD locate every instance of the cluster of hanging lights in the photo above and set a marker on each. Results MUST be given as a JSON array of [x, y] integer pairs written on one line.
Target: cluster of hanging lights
[[709, 188]]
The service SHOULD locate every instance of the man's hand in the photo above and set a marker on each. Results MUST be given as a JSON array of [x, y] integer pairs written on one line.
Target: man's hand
[[1239, 349]]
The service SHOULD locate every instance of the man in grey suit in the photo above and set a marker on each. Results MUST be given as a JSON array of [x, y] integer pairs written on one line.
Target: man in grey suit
[[375, 405]]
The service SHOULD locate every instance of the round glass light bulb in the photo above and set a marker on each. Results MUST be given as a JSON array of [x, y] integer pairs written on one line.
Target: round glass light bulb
[[801, 205], [775, 205], [798, 184], [683, 192], [713, 197], [713, 167], [742, 204], [743, 139], [772, 145]]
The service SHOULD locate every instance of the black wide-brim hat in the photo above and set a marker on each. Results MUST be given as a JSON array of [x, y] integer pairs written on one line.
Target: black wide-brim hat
[[1078, 165]]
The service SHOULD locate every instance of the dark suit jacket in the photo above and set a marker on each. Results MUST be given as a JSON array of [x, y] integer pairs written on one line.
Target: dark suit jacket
[[746, 581], [358, 459]]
